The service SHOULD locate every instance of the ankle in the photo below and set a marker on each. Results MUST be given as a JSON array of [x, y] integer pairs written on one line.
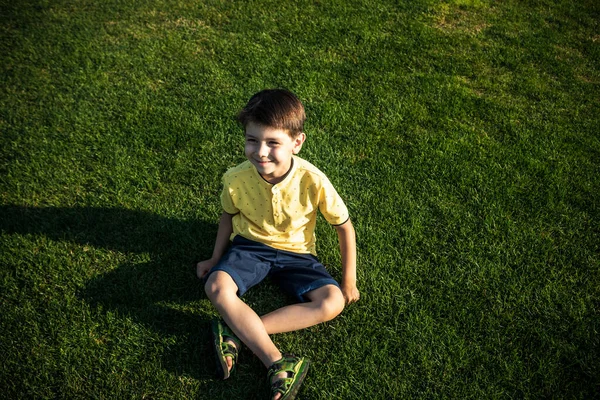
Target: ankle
[[272, 359]]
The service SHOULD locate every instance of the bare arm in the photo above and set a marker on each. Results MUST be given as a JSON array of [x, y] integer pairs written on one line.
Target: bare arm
[[347, 239], [221, 243]]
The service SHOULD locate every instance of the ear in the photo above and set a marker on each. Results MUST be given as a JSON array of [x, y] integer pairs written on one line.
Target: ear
[[298, 141]]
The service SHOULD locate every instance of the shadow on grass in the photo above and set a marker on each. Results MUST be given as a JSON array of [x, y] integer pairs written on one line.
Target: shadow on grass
[[153, 291]]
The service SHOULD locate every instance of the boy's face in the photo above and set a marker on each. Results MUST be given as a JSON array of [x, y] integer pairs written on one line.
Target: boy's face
[[270, 150]]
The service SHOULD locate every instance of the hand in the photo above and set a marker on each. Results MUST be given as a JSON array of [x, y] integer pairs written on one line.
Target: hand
[[351, 293], [203, 267]]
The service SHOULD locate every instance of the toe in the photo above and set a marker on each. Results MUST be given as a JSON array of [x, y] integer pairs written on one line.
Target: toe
[[281, 375], [230, 359]]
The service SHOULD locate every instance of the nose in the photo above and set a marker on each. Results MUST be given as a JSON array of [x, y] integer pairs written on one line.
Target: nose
[[263, 150]]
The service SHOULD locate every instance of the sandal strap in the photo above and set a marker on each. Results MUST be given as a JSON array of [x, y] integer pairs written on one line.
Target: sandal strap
[[227, 333], [230, 350], [295, 368], [222, 335]]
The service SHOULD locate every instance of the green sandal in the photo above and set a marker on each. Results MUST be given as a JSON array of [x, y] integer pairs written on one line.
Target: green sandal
[[296, 368], [223, 349]]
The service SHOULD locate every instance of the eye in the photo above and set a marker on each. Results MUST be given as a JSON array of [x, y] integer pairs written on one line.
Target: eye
[[250, 140], [273, 143]]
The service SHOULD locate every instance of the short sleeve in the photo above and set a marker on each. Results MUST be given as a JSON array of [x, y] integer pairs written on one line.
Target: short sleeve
[[226, 199], [331, 204]]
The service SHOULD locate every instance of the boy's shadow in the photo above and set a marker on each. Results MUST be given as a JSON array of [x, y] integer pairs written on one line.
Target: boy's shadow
[[152, 290]]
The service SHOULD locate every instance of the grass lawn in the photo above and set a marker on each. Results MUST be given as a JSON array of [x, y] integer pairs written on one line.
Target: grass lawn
[[463, 134]]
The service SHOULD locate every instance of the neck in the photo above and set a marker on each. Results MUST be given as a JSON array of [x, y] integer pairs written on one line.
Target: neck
[[275, 181]]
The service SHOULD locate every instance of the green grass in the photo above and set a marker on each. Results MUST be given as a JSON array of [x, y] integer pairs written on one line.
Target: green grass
[[462, 134]]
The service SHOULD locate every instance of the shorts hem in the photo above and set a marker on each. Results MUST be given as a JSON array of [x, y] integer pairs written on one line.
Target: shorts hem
[[234, 275], [315, 285]]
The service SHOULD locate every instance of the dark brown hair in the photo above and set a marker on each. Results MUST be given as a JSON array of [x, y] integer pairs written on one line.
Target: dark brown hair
[[275, 108]]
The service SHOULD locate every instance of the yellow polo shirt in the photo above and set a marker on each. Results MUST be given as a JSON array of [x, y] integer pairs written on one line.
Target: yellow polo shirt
[[283, 215]]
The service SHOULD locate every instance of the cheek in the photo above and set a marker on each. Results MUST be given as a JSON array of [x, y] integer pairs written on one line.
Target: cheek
[[277, 153]]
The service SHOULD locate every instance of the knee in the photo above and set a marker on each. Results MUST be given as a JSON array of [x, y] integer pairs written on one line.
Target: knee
[[211, 287], [217, 284], [332, 305]]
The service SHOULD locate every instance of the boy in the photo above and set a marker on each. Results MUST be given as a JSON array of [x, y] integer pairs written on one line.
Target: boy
[[270, 207]]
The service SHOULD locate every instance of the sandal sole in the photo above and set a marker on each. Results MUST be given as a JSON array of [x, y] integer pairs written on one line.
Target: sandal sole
[[221, 362]]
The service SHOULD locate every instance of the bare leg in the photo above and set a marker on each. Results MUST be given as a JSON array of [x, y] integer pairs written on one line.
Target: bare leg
[[325, 304], [243, 321]]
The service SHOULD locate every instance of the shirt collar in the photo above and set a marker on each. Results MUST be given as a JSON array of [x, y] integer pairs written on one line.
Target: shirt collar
[[285, 177]]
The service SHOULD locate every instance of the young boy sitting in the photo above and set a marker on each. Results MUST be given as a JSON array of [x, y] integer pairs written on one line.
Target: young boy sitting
[[270, 205]]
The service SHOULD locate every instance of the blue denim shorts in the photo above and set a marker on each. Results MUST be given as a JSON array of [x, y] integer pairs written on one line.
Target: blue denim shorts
[[249, 263]]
